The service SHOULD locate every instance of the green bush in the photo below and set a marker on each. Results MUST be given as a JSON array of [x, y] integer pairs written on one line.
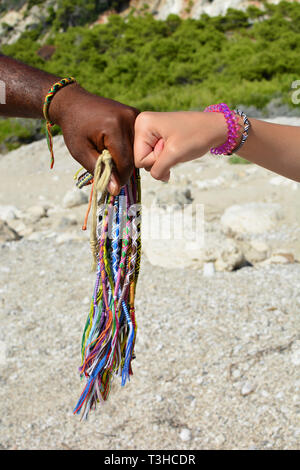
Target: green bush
[[15, 132]]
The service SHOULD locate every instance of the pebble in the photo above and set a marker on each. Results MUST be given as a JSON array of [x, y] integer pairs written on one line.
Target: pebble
[[185, 435], [19, 226], [8, 213], [69, 237], [35, 213], [283, 258], [208, 269], [296, 358], [74, 197], [252, 217], [247, 388], [220, 440], [66, 221], [7, 233]]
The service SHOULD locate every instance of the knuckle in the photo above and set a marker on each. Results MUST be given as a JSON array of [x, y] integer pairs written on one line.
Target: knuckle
[[111, 121], [172, 149], [155, 174], [143, 119], [126, 170], [138, 163], [132, 113]]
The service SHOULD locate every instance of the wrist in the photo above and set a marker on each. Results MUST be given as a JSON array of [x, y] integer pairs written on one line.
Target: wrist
[[219, 129], [219, 133], [62, 102]]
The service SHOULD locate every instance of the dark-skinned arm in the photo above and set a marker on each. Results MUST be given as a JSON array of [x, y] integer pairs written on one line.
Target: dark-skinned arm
[[89, 122]]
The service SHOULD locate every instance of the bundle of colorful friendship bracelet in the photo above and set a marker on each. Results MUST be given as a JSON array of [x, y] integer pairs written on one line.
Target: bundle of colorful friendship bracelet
[[233, 126], [109, 334]]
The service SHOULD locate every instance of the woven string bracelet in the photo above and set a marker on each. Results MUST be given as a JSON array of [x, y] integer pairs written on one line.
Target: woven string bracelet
[[54, 89], [245, 134]]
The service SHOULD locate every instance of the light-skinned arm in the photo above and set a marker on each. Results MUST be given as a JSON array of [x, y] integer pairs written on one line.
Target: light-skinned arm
[[163, 140]]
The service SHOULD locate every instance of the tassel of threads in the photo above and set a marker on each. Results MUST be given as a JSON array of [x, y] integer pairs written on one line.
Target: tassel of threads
[[110, 331]]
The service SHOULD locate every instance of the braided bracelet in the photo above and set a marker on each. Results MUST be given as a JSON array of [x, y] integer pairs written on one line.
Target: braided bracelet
[[232, 125], [48, 98], [247, 126]]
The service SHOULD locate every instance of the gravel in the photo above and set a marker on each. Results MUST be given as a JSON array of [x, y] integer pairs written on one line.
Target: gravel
[[217, 358]]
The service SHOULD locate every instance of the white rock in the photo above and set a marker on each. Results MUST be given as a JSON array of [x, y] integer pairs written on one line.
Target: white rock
[[34, 214], [210, 183], [229, 256], [247, 388], [282, 181], [219, 440], [208, 269], [11, 18], [36, 237], [66, 221], [259, 246], [8, 213], [75, 197], [254, 217], [70, 236], [7, 233], [236, 373], [38, 211], [3, 353], [279, 258], [86, 300], [296, 358], [256, 251], [20, 227], [172, 237], [185, 435]]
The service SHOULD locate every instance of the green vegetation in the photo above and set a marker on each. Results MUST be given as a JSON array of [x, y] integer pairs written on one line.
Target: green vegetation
[[243, 58], [15, 132], [236, 159]]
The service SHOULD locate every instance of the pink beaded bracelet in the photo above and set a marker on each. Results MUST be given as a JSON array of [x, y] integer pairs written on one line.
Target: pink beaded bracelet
[[233, 128]]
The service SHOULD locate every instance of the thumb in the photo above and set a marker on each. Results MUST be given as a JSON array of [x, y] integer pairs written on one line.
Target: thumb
[[163, 163], [113, 186]]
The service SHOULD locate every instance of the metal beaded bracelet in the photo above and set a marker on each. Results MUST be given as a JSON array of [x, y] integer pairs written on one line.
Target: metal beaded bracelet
[[247, 126]]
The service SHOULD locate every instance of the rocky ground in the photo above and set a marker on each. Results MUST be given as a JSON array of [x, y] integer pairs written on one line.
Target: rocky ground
[[218, 348]]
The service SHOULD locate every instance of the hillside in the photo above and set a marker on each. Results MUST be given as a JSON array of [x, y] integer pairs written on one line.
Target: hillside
[[18, 16], [171, 64]]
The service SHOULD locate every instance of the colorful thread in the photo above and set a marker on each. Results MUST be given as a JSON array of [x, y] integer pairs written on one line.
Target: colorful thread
[[110, 331]]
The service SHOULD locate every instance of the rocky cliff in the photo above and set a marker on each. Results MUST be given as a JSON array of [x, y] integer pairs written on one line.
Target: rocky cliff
[[17, 16]]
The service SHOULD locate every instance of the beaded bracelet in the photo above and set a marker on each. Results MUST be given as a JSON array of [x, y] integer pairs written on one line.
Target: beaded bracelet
[[48, 98], [232, 125], [247, 126]]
